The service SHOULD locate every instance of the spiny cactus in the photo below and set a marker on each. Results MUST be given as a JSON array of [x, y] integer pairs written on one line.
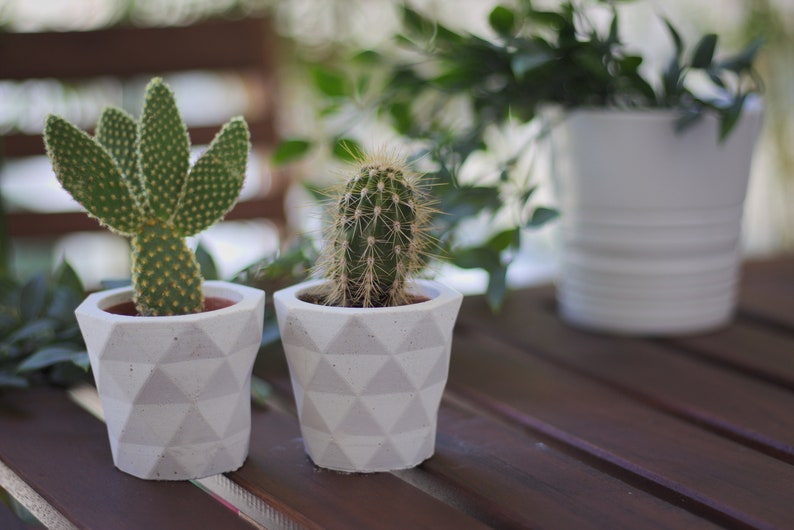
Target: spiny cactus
[[376, 236], [136, 180]]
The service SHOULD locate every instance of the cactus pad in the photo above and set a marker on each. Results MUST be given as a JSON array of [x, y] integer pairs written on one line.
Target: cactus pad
[[136, 179]]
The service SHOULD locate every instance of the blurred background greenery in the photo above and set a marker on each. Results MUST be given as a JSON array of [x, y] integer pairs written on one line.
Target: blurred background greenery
[[332, 59]]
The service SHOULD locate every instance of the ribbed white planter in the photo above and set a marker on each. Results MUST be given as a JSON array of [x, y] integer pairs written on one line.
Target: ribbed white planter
[[175, 390], [368, 382], [651, 220]]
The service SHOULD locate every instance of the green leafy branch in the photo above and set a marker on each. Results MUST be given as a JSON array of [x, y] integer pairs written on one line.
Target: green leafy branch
[[41, 341]]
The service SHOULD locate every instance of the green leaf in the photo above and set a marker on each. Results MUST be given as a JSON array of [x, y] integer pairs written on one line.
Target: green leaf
[[704, 51], [614, 30], [502, 20], [541, 216], [688, 119], [730, 117], [476, 258], [53, 355], [347, 150], [497, 287], [290, 150], [677, 41], [38, 330], [525, 62], [209, 269], [32, 298], [400, 113], [62, 304], [506, 239], [65, 276], [328, 82], [260, 391], [12, 381], [744, 60]]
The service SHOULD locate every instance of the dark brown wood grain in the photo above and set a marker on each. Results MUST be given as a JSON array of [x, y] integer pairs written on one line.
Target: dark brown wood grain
[[767, 291], [279, 472], [542, 426], [63, 453], [124, 51], [512, 478], [737, 405], [714, 476]]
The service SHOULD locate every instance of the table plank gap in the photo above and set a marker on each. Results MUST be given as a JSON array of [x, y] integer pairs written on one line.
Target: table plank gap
[[279, 472], [728, 403], [746, 348], [517, 479], [53, 433], [590, 416]]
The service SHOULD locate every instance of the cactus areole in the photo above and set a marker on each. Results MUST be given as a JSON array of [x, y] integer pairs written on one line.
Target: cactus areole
[[376, 236], [136, 179]]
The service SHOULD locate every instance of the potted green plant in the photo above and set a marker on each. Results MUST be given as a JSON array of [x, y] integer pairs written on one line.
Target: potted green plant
[[171, 355], [651, 170], [368, 347]]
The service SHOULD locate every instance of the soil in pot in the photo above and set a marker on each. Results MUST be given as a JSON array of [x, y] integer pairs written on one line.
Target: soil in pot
[[211, 303], [317, 297]]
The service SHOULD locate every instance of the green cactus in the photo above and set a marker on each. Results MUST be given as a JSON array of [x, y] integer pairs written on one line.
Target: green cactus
[[376, 236], [137, 181]]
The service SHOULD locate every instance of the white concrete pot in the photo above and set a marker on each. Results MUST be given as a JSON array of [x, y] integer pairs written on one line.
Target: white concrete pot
[[175, 390], [368, 382], [651, 220]]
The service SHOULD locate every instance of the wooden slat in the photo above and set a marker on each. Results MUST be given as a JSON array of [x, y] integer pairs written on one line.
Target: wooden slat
[[262, 131], [728, 402], [767, 291], [711, 475], [29, 224], [510, 478], [126, 51], [279, 472], [515, 479], [63, 453], [763, 352]]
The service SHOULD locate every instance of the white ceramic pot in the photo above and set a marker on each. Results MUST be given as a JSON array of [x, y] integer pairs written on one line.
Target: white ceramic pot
[[175, 390], [648, 216], [368, 382]]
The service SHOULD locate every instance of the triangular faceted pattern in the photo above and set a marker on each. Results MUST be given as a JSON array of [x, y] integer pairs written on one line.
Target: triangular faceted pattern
[[367, 385], [176, 396]]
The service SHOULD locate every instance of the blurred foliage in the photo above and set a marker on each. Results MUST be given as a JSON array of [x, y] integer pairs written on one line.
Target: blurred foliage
[[441, 91], [288, 266], [40, 339]]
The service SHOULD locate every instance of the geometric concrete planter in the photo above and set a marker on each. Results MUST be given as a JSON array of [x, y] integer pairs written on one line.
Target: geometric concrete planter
[[175, 390], [651, 220], [368, 382]]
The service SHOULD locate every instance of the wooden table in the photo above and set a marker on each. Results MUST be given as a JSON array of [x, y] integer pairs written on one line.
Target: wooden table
[[542, 426]]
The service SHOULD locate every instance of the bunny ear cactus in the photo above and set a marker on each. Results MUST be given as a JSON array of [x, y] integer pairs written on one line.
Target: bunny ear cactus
[[377, 234], [136, 179]]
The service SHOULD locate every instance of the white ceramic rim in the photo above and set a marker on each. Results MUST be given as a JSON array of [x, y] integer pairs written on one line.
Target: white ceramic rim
[[244, 298], [437, 292]]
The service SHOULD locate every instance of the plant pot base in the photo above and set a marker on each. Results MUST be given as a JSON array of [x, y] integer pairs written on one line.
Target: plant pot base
[[184, 462], [368, 382], [176, 390], [369, 454]]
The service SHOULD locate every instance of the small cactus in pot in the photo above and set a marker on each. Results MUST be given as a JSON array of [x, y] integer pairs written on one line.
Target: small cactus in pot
[[157, 371], [136, 179], [367, 330], [376, 234]]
